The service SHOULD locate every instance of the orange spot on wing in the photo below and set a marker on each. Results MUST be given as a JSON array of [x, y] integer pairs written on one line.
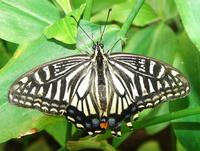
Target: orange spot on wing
[[104, 125]]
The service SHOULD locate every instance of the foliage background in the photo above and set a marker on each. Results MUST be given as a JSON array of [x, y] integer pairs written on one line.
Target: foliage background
[[33, 32]]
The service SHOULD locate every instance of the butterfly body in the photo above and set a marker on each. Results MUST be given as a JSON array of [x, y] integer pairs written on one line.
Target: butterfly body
[[99, 91]]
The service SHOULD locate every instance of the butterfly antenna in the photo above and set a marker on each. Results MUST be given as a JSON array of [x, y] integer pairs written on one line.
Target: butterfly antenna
[[83, 30], [105, 24], [113, 46]]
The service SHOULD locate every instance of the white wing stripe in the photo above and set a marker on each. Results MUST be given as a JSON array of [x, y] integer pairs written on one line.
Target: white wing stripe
[[151, 67], [119, 106], [162, 71], [114, 104], [48, 96], [37, 77], [151, 86], [47, 72], [40, 92], [117, 84], [84, 85], [24, 79], [33, 91], [144, 91]]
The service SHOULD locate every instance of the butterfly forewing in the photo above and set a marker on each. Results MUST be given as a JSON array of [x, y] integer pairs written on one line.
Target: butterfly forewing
[[48, 87]]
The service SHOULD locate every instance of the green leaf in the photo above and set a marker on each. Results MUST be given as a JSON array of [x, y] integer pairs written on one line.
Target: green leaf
[[165, 9], [98, 5], [65, 29], [187, 128], [179, 147], [150, 145], [11, 47], [152, 42], [59, 132], [189, 12], [4, 55], [120, 11], [24, 20], [163, 109]]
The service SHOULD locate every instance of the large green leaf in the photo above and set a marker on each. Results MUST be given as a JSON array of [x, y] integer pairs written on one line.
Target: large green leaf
[[189, 12], [187, 128], [165, 9], [120, 11], [157, 41], [24, 20]]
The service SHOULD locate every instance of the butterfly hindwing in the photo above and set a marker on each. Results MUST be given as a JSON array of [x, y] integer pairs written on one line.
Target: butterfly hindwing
[[83, 110]]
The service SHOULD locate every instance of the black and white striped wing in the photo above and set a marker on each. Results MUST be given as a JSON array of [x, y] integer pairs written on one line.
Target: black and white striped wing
[[50, 87], [139, 82]]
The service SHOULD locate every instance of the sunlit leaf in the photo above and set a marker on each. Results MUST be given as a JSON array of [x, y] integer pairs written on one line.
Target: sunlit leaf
[[189, 12], [120, 11], [24, 20], [65, 29]]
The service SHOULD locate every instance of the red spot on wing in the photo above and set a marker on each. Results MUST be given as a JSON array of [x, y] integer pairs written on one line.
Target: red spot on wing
[[104, 125]]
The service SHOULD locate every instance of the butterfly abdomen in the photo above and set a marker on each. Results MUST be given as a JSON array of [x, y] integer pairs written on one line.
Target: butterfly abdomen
[[101, 82]]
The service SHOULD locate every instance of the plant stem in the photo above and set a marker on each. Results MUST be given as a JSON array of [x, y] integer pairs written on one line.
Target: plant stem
[[130, 18], [88, 10]]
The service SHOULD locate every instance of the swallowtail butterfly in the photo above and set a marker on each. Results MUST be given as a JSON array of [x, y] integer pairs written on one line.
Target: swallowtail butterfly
[[98, 91]]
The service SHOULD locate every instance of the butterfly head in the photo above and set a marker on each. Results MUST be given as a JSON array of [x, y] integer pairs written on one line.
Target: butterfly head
[[97, 46]]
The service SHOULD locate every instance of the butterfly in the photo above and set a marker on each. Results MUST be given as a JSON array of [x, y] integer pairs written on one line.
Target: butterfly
[[100, 90]]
